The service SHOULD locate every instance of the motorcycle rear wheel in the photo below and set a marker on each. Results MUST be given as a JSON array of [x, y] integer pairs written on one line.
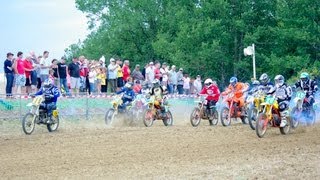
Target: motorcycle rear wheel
[[169, 120], [28, 123], [54, 125]]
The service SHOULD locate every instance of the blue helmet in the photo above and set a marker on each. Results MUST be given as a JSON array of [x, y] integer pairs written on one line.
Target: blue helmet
[[233, 81]]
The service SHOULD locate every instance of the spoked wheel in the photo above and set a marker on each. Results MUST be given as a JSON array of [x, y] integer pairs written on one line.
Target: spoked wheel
[[195, 117], [261, 125], [252, 117], [224, 116], [28, 123], [168, 121], [285, 130], [109, 117], [295, 115], [54, 125], [312, 117], [148, 118], [213, 120]]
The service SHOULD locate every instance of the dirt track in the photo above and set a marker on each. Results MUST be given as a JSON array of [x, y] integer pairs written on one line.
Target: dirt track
[[161, 152]]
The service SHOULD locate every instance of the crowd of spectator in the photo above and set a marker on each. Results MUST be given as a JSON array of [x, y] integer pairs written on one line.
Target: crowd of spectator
[[25, 75]]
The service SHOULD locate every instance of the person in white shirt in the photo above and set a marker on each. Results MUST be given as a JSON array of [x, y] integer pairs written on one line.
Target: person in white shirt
[[45, 65], [186, 84], [150, 74], [197, 85], [92, 79], [164, 70]]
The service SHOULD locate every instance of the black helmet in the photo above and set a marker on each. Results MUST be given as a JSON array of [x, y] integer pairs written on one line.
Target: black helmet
[[264, 79]]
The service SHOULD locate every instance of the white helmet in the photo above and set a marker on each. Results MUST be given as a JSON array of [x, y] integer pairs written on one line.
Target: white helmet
[[208, 82]]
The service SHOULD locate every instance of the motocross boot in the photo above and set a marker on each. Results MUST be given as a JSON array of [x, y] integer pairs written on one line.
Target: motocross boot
[[243, 111], [284, 115]]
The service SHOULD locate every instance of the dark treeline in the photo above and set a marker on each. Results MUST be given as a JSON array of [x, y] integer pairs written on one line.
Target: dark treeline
[[206, 37]]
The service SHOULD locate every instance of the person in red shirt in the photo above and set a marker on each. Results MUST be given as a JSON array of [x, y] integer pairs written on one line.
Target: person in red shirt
[[212, 93], [157, 72], [28, 66], [137, 87], [126, 71]]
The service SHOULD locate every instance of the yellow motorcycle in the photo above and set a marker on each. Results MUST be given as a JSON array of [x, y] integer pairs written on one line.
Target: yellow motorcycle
[[155, 111], [39, 116], [270, 117], [254, 103]]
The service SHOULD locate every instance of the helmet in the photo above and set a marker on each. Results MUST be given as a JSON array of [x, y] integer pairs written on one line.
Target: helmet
[[47, 84], [264, 78], [304, 76], [208, 82], [255, 83], [279, 80], [233, 81], [156, 83], [129, 85]]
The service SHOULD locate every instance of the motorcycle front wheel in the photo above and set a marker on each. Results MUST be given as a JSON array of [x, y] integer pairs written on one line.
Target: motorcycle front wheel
[[28, 123], [295, 115], [195, 117], [148, 118], [213, 120], [109, 117], [252, 117], [261, 125], [224, 116]]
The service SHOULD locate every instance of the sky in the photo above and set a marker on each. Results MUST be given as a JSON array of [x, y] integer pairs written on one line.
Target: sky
[[39, 25]]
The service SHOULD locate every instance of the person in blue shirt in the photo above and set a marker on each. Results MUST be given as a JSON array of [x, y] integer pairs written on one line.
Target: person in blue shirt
[[128, 95], [51, 94]]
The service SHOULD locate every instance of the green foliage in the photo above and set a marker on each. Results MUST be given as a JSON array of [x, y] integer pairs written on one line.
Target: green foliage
[[206, 37]]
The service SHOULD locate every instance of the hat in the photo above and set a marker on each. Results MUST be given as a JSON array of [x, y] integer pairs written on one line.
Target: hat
[[9, 54], [180, 69], [150, 63], [138, 65], [112, 60], [164, 63], [198, 75]]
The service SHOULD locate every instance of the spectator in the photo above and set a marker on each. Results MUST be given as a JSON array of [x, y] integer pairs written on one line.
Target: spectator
[[150, 73], [92, 78], [84, 72], [38, 69], [28, 66], [180, 81], [51, 75], [19, 71], [74, 71], [136, 74], [144, 71], [55, 74], [126, 70], [173, 81], [164, 72], [186, 84], [197, 84], [157, 73], [8, 70], [112, 75], [34, 74], [45, 65], [62, 75], [137, 87], [101, 79], [119, 74]]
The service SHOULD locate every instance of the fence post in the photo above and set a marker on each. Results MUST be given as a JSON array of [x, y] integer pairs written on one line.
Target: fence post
[[20, 105], [87, 108]]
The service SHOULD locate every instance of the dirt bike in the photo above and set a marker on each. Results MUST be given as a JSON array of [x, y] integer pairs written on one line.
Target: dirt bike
[[201, 112], [39, 116], [270, 116], [302, 110], [255, 107], [232, 110], [137, 109], [154, 112], [115, 110]]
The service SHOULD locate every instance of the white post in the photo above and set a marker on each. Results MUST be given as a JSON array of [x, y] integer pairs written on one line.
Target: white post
[[254, 62]]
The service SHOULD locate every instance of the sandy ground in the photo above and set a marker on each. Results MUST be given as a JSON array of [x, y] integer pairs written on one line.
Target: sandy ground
[[80, 150]]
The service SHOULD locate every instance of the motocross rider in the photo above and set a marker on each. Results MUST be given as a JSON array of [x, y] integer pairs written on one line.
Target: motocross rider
[[265, 84], [51, 94], [307, 85], [212, 92], [128, 95], [283, 93], [158, 91], [238, 88], [255, 87]]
